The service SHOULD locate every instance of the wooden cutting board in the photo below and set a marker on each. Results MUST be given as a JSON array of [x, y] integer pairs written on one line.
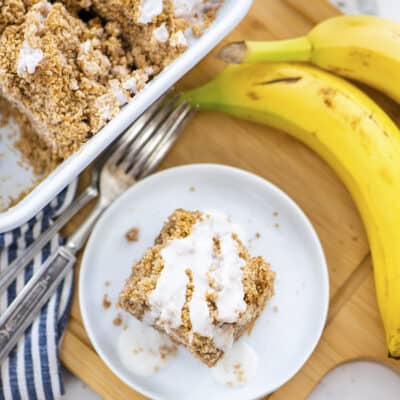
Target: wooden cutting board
[[354, 328]]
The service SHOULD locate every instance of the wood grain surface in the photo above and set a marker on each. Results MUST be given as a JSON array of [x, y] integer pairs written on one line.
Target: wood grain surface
[[354, 328]]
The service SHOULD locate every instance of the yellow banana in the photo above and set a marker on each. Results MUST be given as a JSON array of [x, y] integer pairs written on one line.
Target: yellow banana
[[363, 48], [348, 130]]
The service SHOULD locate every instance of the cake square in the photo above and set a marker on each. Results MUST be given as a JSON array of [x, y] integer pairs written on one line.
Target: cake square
[[68, 77], [199, 284]]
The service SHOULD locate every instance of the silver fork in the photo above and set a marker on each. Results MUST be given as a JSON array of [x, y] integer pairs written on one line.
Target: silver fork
[[135, 156], [91, 192]]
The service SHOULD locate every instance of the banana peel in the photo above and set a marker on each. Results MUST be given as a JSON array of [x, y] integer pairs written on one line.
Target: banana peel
[[361, 47], [349, 131]]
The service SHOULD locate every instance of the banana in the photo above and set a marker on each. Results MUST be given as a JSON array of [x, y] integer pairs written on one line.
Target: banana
[[363, 48], [348, 130]]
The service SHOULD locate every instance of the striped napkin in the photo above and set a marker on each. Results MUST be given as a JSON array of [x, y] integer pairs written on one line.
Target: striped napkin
[[32, 370]]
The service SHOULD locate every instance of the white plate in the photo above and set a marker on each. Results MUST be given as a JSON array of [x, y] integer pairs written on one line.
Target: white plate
[[230, 14], [289, 328]]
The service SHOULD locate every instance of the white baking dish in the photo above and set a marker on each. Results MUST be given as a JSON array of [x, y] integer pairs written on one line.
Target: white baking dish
[[230, 14]]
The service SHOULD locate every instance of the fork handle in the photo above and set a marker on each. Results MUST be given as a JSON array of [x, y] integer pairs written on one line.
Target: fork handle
[[78, 238], [27, 305], [12, 271]]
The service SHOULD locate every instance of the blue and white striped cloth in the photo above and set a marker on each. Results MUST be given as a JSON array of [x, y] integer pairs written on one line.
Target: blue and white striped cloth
[[32, 371]]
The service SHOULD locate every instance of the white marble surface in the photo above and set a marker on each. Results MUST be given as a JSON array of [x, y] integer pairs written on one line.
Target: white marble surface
[[75, 389], [359, 380], [385, 8], [390, 9]]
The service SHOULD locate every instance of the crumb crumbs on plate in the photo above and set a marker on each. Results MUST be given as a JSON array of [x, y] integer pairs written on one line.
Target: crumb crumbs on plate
[[275, 213], [106, 302], [107, 283], [143, 349], [167, 351], [239, 373], [192, 189], [277, 226], [258, 235], [137, 350], [238, 366], [117, 321], [132, 235], [275, 309]]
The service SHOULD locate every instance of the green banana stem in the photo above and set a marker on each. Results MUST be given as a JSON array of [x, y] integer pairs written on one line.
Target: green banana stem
[[297, 49], [202, 97]]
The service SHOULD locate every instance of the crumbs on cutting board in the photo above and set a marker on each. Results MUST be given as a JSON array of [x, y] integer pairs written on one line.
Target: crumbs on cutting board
[[132, 235]]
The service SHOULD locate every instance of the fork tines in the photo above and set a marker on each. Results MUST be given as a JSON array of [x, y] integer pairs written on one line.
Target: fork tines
[[146, 141]]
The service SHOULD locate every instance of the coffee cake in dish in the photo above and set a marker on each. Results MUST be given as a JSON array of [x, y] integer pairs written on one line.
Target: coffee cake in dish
[[61, 73], [199, 284], [156, 31], [70, 76]]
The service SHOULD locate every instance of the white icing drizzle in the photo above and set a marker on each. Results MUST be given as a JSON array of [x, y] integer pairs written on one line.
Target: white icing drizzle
[[228, 277], [28, 59], [107, 108], [130, 84], [149, 9], [168, 298], [118, 92], [193, 10], [140, 348], [85, 46], [178, 39], [138, 80], [187, 8], [237, 367], [149, 70], [196, 253], [161, 34]]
